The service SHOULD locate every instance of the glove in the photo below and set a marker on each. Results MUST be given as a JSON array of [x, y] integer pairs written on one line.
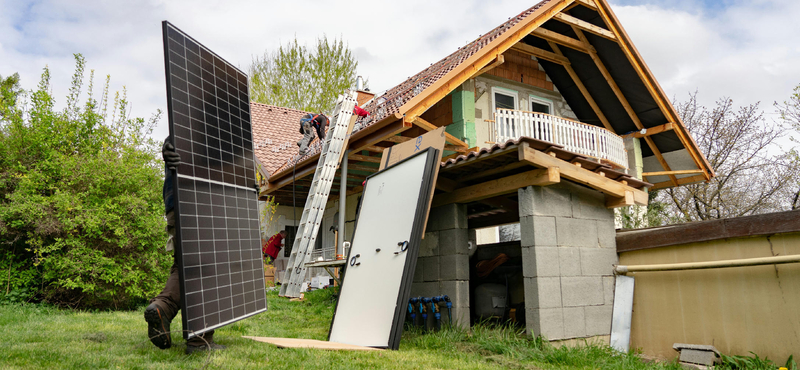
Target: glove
[[171, 158]]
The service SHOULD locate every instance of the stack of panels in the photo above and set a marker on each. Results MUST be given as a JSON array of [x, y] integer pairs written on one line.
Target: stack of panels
[[218, 242]]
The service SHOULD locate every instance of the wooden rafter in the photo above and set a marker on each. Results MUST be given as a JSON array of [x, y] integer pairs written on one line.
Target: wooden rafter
[[681, 181], [584, 25], [364, 158], [497, 61], [613, 189], [587, 3], [526, 49], [505, 185], [624, 101], [560, 39], [584, 91], [664, 173], [398, 139], [427, 126], [652, 85], [453, 79], [651, 131]]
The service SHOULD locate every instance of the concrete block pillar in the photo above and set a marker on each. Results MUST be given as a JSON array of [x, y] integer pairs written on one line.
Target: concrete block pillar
[[634, 215], [443, 262], [568, 252]]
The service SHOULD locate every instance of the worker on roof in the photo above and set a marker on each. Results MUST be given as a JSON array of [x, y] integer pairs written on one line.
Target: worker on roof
[[316, 121], [164, 307]]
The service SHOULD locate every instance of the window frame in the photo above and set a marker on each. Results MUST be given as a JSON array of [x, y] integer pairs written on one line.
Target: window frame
[[543, 101]]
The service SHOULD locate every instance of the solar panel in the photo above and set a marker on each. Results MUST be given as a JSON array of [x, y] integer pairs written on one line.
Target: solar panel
[[218, 247]]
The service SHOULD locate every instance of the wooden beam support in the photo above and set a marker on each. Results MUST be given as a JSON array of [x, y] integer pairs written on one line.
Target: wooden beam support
[[586, 26], [558, 38], [681, 181], [397, 139], [430, 127], [614, 202], [455, 148], [652, 85], [493, 188], [573, 173], [651, 131], [539, 53], [364, 158], [664, 173], [587, 3], [492, 172], [584, 91], [360, 141], [497, 61], [453, 79], [445, 184], [374, 148], [624, 101], [359, 167]]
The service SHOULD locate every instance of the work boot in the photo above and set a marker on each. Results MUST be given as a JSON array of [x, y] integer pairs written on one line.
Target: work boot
[[191, 348], [157, 326]]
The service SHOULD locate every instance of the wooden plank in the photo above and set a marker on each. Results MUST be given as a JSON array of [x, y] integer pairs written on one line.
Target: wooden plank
[[652, 86], [560, 39], [398, 139], [456, 154], [456, 148], [580, 175], [364, 158], [680, 181], [453, 79], [526, 49], [615, 202], [358, 143], [482, 174], [310, 343], [374, 148], [497, 61], [427, 126], [664, 173], [493, 220], [584, 91], [651, 131], [586, 26], [624, 101], [445, 184], [359, 167], [493, 188], [587, 3]]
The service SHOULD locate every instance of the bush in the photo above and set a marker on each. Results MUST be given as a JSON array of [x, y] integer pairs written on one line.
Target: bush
[[81, 215]]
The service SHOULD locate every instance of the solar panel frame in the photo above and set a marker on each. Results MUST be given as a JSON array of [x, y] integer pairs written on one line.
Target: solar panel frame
[[217, 243]]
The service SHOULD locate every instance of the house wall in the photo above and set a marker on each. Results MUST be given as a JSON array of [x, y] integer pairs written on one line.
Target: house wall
[[737, 310], [568, 253], [527, 85]]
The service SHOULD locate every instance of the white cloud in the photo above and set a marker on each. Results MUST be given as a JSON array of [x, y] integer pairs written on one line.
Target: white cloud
[[745, 51]]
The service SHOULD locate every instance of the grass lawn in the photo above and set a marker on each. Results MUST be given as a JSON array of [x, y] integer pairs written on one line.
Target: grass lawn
[[40, 337]]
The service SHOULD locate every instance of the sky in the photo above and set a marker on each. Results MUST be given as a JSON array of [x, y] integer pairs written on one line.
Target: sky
[[748, 51]]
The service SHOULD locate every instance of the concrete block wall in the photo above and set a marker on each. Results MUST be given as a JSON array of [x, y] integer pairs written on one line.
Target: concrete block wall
[[443, 262], [568, 250]]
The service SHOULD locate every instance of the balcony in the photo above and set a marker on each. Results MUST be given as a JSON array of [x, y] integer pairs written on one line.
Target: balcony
[[578, 137]]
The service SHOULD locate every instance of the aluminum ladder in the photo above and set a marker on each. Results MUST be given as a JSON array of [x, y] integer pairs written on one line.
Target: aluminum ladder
[[311, 220]]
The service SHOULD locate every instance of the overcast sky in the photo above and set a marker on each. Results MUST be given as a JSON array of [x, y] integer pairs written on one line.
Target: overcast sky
[[746, 50]]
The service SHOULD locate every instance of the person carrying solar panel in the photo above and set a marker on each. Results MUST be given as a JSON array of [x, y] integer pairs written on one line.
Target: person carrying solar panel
[[164, 307], [308, 124]]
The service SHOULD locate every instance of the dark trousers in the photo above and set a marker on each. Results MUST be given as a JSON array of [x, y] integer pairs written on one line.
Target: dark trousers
[[170, 298], [308, 136]]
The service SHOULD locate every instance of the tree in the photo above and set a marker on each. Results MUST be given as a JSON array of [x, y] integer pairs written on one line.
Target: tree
[[790, 113], [299, 78], [752, 170], [9, 91], [81, 216]]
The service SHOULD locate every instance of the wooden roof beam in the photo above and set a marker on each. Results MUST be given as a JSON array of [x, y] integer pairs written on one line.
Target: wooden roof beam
[[505, 185], [669, 126], [555, 37], [617, 194], [497, 61], [427, 126], [526, 49], [624, 101], [664, 173], [364, 158], [681, 181], [586, 26], [584, 91], [587, 3]]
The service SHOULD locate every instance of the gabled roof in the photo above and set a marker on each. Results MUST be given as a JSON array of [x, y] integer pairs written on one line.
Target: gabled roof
[[590, 59]]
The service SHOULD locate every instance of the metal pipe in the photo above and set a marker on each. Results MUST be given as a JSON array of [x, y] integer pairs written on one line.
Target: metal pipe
[[342, 202], [774, 260]]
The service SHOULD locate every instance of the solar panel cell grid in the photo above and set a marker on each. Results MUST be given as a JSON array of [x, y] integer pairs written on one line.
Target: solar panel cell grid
[[221, 263]]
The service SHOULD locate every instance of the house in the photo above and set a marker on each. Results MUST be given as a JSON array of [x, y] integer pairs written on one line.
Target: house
[[553, 120]]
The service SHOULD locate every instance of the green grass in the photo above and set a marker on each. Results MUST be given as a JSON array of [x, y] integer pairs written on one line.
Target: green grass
[[40, 337]]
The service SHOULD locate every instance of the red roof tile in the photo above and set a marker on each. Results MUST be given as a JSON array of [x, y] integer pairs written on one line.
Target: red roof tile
[[275, 134]]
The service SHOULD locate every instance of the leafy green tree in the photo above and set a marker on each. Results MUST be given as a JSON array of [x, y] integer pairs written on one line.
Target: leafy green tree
[[9, 91], [81, 215], [296, 77]]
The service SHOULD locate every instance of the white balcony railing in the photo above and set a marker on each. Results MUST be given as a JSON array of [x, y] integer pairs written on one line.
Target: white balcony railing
[[578, 137]]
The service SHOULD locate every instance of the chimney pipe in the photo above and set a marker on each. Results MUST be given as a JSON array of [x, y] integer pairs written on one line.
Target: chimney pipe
[[359, 83]]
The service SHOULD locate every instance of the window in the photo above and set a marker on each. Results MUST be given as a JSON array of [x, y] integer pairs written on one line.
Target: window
[[288, 242], [541, 105], [502, 98], [505, 127]]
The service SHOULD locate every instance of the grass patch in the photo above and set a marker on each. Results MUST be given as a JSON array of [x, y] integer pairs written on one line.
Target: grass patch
[[41, 337]]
